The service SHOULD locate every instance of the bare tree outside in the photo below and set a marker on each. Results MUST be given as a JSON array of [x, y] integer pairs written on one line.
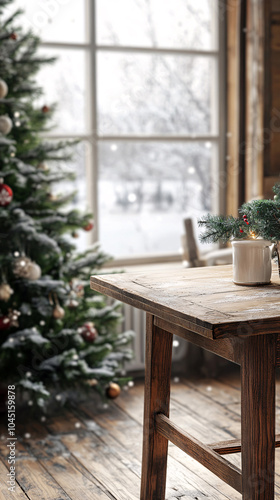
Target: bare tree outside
[[145, 186], [155, 183]]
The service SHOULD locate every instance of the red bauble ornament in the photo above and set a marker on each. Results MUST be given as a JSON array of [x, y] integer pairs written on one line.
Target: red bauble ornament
[[241, 230], [13, 36], [45, 109], [88, 227], [88, 332], [6, 194], [5, 322]]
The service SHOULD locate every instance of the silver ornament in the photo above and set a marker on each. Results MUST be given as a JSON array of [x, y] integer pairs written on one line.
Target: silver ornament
[[6, 124], [3, 89], [5, 292]]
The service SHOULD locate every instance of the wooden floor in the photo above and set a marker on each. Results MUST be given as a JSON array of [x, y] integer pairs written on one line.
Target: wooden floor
[[88, 454]]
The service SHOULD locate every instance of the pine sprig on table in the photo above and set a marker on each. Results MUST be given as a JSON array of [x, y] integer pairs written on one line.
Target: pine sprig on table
[[221, 228], [259, 218]]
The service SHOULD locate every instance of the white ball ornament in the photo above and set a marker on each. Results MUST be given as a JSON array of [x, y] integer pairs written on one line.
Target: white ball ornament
[[6, 124], [34, 271], [3, 89]]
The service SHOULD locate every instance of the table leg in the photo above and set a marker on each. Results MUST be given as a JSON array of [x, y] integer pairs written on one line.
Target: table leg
[[258, 417], [157, 396]]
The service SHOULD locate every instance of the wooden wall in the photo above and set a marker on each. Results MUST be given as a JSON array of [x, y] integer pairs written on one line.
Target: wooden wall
[[253, 100], [234, 171], [272, 66]]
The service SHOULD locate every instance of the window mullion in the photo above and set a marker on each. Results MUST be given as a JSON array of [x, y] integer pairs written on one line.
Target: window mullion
[[92, 163]]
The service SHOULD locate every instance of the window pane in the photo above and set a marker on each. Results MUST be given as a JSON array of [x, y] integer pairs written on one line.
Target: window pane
[[77, 164], [154, 94], [145, 190], [156, 23], [54, 20], [64, 84]]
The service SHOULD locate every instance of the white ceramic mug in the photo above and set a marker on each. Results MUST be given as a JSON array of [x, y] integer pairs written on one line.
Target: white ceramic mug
[[251, 262]]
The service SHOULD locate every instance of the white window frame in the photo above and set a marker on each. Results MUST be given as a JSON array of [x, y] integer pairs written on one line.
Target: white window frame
[[91, 48]]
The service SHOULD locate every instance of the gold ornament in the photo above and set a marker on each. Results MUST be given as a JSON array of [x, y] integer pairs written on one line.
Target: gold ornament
[[25, 268], [5, 292], [6, 124], [58, 312], [113, 391], [3, 89]]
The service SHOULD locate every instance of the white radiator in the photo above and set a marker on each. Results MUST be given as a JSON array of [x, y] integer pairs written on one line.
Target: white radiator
[[135, 319]]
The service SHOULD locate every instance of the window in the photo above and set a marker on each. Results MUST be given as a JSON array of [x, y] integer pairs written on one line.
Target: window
[[138, 82]]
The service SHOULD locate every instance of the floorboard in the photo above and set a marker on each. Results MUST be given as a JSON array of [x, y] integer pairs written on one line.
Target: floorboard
[[89, 452]]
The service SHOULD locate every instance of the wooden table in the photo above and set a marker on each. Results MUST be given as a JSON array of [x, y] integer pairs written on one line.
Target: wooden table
[[241, 324]]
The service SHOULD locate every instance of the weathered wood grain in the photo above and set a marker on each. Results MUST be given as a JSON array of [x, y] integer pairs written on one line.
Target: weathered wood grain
[[258, 417], [157, 396], [5, 494], [226, 348], [202, 300], [112, 473], [234, 446], [205, 407], [200, 452], [37, 482]]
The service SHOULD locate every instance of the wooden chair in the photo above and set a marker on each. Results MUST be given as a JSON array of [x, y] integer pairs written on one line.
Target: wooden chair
[[197, 359], [191, 253]]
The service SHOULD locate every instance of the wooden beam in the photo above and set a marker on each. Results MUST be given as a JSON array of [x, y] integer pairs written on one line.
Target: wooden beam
[[226, 348], [242, 115], [157, 395], [233, 108], [200, 452], [234, 446], [258, 365], [256, 99]]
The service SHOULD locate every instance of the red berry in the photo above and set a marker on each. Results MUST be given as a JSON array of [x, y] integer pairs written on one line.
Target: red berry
[[13, 36]]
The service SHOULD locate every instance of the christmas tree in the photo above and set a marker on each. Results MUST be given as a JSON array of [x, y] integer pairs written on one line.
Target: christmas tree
[[55, 333]]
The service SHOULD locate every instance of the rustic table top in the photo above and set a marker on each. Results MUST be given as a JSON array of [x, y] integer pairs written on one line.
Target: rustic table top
[[203, 300]]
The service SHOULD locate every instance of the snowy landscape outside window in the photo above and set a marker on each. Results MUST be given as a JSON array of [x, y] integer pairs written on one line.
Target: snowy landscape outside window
[[138, 81]]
